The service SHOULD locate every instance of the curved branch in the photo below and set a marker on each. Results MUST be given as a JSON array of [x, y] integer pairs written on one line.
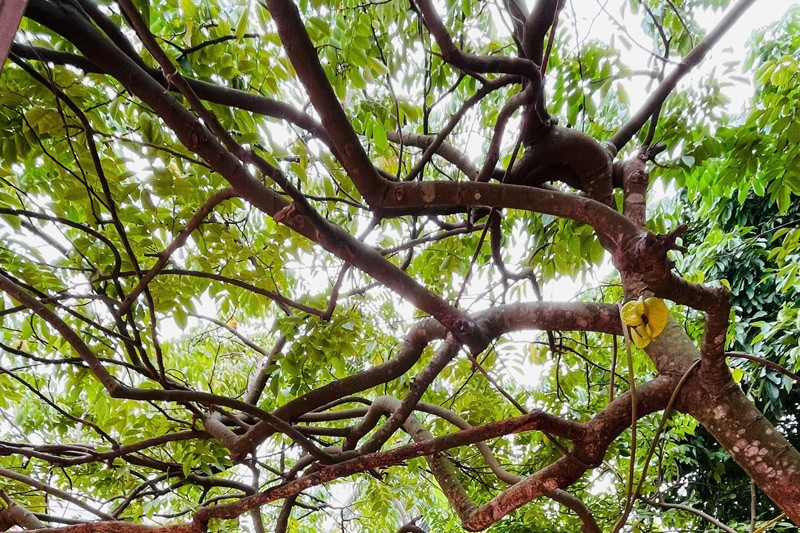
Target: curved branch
[[208, 91], [404, 409], [118, 390], [453, 155], [536, 25], [558, 495], [470, 62], [197, 138], [434, 145], [493, 153], [65, 221], [416, 341], [570, 156], [277, 297], [766, 362], [60, 494], [689, 509]]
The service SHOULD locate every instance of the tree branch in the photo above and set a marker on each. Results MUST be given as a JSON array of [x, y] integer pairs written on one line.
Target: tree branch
[[692, 59], [472, 63], [180, 240], [306, 63]]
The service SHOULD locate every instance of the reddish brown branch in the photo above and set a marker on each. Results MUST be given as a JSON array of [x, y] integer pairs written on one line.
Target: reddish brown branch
[[210, 92], [503, 116], [436, 145], [416, 341], [196, 137]]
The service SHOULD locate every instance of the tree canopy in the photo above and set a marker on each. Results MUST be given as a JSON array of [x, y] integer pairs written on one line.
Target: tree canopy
[[288, 266]]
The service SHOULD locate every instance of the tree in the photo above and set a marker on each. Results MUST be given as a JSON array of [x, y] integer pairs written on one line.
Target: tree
[[266, 267]]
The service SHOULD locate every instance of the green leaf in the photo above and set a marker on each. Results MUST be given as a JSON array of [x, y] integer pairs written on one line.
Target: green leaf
[[241, 24]]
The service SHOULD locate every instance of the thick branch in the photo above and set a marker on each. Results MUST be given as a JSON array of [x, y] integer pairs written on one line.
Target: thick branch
[[419, 337], [536, 25], [303, 55], [210, 92], [13, 514]]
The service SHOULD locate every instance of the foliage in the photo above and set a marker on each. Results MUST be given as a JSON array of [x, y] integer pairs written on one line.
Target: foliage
[[237, 295]]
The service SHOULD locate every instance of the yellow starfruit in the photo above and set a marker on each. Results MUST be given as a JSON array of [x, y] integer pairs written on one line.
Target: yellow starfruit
[[645, 318], [657, 315], [632, 313], [640, 336]]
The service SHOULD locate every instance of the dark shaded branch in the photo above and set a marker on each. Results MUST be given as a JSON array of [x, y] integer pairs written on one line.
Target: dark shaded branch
[[281, 300], [210, 92], [470, 62], [692, 59], [536, 25], [416, 341], [65, 221], [60, 455], [519, 14], [118, 390], [47, 401], [303, 55], [436, 145], [433, 145], [493, 153], [434, 237], [420, 385]]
